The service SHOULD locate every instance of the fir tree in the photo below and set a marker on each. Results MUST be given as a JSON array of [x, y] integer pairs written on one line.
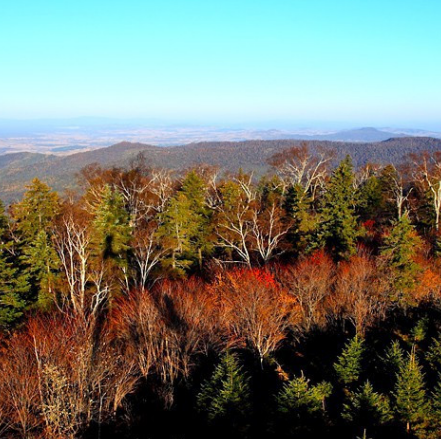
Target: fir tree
[[410, 394], [393, 360], [112, 229], [349, 364], [225, 398], [297, 208], [370, 199], [14, 288], [337, 228], [366, 408], [399, 250], [34, 218], [300, 404]]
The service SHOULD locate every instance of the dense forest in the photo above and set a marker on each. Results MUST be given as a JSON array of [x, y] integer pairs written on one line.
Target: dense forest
[[17, 169], [155, 304]]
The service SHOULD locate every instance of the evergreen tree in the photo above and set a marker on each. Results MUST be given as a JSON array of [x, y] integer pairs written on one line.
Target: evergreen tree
[[186, 226], [393, 360], [367, 408], [410, 394], [301, 405], [34, 218], [112, 229], [194, 189], [225, 398], [337, 228], [297, 208], [433, 354], [399, 250], [349, 363], [370, 199], [14, 288], [436, 401]]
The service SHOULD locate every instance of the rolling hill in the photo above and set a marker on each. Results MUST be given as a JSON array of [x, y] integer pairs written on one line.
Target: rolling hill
[[17, 170]]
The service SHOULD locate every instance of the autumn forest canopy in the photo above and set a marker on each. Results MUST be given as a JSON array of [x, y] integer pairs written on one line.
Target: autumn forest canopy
[[158, 304]]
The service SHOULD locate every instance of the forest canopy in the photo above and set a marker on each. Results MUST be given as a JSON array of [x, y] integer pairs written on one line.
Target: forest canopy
[[303, 303]]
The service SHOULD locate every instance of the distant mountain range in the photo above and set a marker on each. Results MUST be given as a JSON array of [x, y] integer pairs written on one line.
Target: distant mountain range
[[69, 136], [18, 169]]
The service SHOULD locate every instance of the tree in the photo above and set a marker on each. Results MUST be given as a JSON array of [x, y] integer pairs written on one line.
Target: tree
[[34, 220], [255, 310], [428, 174], [112, 229], [195, 190], [395, 190], [234, 220], [410, 394], [225, 397], [366, 408], [14, 288], [310, 283], [178, 231], [349, 364], [301, 404], [337, 228], [300, 167], [297, 207], [399, 250], [360, 292]]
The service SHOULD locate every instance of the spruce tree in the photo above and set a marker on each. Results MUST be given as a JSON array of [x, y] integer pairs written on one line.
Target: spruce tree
[[297, 208], [112, 229], [349, 364], [225, 397], [393, 360], [14, 288], [436, 401], [366, 408], [370, 199], [34, 217], [399, 250], [194, 189], [301, 405], [410, 394], [337, 228]]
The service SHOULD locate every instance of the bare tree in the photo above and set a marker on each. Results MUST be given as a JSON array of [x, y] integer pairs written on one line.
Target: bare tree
[[299, 167], [427, 173]]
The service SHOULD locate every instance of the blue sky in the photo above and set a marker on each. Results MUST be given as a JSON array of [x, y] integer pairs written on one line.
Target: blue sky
[[358, 62]]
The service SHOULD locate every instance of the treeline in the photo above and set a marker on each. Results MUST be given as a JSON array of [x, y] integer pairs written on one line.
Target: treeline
[[303, 304]]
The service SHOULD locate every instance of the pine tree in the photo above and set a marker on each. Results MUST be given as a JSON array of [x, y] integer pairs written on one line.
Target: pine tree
[[366, 408], [410, 394], [337, 228], [399, 249], [225, 398], [349, 364]]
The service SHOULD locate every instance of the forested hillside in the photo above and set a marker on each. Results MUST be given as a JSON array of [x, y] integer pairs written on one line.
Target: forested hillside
[[151, 304], [17, 170]]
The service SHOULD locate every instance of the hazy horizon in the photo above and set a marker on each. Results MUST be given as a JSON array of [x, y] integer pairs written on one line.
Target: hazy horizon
[[358, 64]]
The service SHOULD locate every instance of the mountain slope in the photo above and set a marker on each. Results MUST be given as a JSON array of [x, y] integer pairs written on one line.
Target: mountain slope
[[17, 170]]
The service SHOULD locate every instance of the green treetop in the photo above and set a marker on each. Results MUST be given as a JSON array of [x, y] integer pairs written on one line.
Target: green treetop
[[338, 225], [349, 363]]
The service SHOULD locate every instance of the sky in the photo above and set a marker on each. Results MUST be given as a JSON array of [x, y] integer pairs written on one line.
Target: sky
[[361, 62]]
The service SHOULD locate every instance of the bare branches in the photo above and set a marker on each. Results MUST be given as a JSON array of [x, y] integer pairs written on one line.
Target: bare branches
[[299, 167]]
